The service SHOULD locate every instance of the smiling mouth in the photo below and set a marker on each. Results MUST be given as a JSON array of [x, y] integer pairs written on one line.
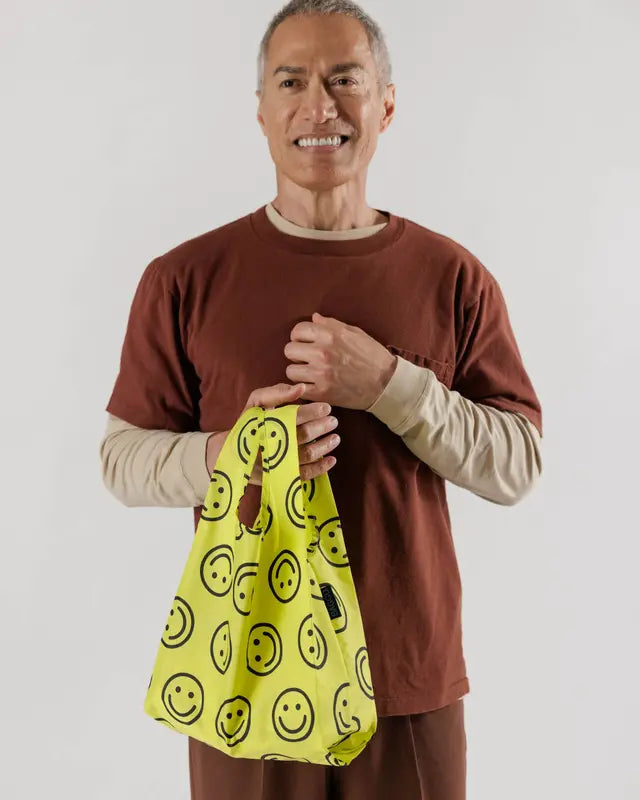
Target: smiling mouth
[[273, 657], [184, 625], [181, 713], [277, 453], [324, 148], [231, 735], [294, 730]]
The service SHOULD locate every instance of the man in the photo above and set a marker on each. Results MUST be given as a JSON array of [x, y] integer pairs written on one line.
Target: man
[[399, 332]]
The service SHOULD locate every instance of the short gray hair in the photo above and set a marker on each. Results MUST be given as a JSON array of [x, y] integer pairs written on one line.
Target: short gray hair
[[375, 36]]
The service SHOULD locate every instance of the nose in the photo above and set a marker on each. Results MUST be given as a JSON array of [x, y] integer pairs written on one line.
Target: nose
[[318, 104]]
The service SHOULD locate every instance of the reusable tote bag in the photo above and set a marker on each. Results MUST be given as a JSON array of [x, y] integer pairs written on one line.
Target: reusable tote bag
[[263, 654]]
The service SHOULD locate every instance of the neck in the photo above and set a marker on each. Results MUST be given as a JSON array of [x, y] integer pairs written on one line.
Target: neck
[[333, 210]]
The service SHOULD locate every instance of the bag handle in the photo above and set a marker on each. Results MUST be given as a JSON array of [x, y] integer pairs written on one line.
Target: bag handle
[[251, 433], [247, 437]]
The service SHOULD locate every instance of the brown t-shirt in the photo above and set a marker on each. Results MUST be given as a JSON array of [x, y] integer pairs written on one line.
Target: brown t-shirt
[[209, 323]]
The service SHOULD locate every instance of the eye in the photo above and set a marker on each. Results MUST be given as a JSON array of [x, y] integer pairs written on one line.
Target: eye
[[292, 80]]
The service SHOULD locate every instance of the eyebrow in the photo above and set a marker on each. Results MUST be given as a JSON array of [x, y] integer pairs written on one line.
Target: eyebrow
[[349, 66]]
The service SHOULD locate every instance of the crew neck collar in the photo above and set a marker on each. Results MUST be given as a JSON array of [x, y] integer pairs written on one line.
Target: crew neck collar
[[265, 230], [286, 226]]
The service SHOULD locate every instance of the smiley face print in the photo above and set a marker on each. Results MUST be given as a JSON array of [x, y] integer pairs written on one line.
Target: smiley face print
[[314, 588], [335, 761], [294, 502], [331, 543], [363, 672], [216, 570], [345, 722], [284, 576], [220, 647], [247, 436], [217, 501], [243, 585], [233, 720], [179, 626], [183, 697], [292, 715], [276, 442], [311, 643], [264, 649]]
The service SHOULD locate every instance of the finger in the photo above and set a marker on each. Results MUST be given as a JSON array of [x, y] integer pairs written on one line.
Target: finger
[[309, 471], [318, 448], [311, 412], [272, 396]]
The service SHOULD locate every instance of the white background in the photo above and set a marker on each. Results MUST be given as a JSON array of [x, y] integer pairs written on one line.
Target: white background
[[128, 127]]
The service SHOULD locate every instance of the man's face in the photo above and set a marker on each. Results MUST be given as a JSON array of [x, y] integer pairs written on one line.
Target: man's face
[[310, 98]]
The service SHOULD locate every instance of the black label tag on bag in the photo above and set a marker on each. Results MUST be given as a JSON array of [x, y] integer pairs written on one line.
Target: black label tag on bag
[[330, 601]]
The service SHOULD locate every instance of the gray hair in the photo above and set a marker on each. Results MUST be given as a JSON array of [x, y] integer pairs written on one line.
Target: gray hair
[[375, 36]]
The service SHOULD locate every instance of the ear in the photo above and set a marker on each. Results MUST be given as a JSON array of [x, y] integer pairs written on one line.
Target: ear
[[259, 116], [389, 102]]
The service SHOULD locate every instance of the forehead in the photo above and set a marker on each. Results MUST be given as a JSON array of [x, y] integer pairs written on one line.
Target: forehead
[[319, 41]]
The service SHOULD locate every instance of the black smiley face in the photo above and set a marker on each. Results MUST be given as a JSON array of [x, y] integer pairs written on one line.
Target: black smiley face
[[216, 570], [315, 589], [217, 501], [311, 643], [332, 544], [277, 442], [346, 723], [335, 761], [246, 437], [183, 697], [284, 576], [295, 503], [220, 648], [233, 720], [243, 587], [179, 626], [264, 649], [363, 672], [292, 715]]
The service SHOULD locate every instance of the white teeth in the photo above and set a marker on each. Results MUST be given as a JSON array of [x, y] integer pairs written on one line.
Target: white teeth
[[331, 140]]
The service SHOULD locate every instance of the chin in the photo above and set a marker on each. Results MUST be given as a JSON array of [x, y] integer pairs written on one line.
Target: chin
[[318, 180]]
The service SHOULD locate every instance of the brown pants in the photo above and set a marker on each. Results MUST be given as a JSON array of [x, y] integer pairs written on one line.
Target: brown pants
[[414, 757]]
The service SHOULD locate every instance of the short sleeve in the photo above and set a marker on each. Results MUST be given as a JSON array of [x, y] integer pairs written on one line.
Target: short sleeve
[[489, 368], [156, 386]]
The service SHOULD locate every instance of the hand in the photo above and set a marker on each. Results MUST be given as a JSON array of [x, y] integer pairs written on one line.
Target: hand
[[339, 364], [313, 423]]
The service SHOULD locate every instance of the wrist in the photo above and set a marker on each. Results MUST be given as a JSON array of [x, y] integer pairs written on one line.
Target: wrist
[[213, 448]]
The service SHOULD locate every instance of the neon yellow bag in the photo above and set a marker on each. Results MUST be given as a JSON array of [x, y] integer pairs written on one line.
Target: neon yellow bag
[[263, 654]]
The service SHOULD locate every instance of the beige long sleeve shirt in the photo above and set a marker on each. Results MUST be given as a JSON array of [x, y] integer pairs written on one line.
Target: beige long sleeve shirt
[[493, 453]]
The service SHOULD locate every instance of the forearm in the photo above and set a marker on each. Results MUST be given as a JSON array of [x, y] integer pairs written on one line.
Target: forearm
[[157, 467], [493, 453]]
